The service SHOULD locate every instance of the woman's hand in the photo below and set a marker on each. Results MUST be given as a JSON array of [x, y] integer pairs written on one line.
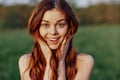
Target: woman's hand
[[64, 47], [45, 49], [63, 51]]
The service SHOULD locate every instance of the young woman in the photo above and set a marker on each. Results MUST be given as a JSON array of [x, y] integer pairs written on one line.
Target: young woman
[[52, 25]]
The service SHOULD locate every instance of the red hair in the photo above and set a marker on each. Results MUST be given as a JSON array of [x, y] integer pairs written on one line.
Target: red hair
[[37, 63]]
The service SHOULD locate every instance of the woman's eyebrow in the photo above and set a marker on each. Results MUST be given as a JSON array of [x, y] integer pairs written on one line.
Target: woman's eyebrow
[[56, 22], [45, 21], [61, 20]]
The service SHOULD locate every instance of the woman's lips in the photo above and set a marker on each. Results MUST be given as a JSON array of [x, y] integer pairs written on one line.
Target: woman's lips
[[53, 40]]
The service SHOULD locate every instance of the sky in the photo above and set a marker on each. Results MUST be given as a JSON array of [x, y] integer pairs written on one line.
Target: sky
[[86, 3], [79, 3], [9, 2]]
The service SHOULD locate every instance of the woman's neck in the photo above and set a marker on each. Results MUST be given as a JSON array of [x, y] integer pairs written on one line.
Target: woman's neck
[[47, 57]]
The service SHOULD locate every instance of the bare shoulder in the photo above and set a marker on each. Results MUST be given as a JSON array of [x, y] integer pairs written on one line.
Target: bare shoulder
[[24, 59], [23, 63], [85, 59], [84, 65]]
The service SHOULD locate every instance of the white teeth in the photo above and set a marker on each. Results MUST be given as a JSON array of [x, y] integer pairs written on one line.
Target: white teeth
[[50, 38], [53, 39]]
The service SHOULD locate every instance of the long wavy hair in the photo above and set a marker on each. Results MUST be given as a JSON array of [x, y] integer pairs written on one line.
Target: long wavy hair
[[37, 64]]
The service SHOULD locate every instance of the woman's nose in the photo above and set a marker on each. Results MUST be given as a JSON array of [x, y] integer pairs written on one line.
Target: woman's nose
[[53, 30]]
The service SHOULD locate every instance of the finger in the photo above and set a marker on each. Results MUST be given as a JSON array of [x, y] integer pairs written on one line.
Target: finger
[[69, 38], [63, 44], [42, 42], [64, 41], [45, 48]]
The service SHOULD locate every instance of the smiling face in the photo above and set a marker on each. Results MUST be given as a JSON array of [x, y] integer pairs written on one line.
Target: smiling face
[[53, 28]]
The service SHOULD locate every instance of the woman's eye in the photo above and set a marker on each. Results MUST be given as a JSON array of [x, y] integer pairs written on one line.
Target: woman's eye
[[45, 25], [60, 25]]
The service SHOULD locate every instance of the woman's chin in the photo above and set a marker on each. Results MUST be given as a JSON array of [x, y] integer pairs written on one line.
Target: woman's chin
[[53, 47]]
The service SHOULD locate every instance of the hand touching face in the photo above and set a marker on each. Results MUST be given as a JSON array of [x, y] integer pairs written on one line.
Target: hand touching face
[[53, 28], [64, 47]]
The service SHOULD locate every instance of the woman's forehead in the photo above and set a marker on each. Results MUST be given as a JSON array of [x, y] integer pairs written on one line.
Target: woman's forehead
[[53, 14]]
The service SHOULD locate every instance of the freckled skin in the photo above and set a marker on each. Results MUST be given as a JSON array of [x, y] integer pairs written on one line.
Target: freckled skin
[[53, 28]]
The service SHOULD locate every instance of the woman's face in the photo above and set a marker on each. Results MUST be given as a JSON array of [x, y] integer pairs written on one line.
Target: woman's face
[[53, 28]]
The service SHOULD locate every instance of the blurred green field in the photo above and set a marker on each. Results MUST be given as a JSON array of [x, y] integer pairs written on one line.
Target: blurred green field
[[101, 42]]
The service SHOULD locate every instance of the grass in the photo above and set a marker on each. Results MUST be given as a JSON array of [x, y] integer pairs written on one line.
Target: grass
[[12, 45], [101, 42], [1, 22]]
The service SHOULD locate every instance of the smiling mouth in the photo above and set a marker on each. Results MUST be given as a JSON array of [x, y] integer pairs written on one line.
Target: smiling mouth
[[53, 40]]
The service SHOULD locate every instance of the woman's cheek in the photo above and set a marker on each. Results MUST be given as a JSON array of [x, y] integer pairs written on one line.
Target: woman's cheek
[[63, 32], [43, 33]]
